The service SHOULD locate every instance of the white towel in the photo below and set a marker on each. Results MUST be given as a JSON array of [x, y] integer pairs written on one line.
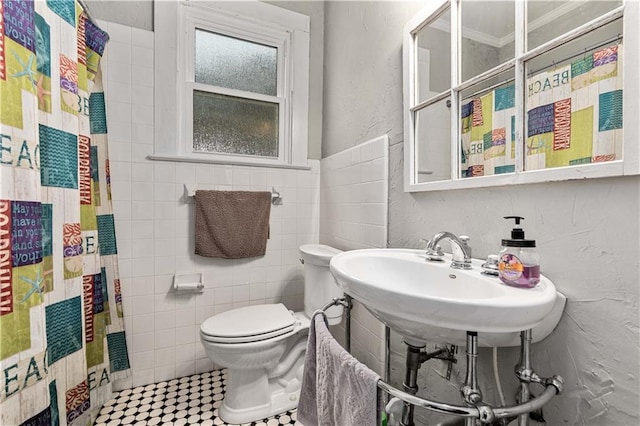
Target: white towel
[[337, 389]]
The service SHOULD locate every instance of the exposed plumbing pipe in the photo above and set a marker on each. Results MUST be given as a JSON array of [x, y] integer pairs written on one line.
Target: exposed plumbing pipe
[[496, 376], [554, 386], [387, 360], [525, 374], [348, 305], [413, 361], [477, 409], [470, 390]]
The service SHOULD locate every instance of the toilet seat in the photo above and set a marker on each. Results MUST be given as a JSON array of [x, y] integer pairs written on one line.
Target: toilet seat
[[248, 324]]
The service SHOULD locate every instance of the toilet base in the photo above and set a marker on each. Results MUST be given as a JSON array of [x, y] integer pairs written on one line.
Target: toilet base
[[280, 402], [249, 400], [257, 393]]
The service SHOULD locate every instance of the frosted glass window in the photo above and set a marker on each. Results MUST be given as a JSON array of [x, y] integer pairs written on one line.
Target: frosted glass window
[[242, 70], [235, 64], [232, 125]]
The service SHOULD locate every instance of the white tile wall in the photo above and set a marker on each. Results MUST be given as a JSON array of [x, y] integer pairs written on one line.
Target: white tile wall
[[154, 227], [354, 194], [353, 215]]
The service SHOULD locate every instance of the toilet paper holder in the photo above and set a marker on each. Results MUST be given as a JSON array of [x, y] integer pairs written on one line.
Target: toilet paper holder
[[188, 283]]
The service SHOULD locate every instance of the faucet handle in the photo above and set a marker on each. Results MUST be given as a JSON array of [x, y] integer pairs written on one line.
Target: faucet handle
[[490, 266], [465, 240], [435, 253]]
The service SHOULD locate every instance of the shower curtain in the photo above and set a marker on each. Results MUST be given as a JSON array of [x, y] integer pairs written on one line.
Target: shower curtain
[[62, 341]]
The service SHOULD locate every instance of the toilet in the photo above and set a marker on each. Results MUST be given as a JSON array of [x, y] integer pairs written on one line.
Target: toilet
[[263, 346]]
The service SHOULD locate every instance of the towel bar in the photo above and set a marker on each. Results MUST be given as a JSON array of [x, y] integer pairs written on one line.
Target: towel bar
[[190, 192], [482, 411]]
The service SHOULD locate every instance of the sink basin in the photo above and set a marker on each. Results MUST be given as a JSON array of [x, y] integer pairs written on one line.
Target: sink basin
[[428, 301]]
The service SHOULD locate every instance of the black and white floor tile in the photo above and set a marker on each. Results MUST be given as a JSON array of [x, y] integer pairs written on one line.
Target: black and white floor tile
[[192, 400]]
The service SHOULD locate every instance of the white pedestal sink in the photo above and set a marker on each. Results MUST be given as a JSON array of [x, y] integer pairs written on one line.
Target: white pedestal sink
[[427, 301]]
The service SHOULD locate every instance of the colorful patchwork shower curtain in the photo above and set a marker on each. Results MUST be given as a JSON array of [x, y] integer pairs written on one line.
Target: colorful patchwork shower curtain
[[62, 341]]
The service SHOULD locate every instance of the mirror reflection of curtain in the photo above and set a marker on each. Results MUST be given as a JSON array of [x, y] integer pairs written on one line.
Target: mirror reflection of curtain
[[62, 340]]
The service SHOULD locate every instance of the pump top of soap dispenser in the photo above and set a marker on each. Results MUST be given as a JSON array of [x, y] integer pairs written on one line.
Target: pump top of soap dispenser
[[517, 235]]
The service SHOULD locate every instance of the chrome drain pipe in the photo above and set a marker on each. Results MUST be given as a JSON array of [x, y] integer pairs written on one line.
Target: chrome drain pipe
[[410, 385], [525, 374], [470, 390], [475, 409]]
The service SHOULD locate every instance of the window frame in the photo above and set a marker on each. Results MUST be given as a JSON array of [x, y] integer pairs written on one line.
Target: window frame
[[253, 21], [628, 165]]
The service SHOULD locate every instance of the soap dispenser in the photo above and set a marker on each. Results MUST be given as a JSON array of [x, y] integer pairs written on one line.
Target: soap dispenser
[[519, 264]]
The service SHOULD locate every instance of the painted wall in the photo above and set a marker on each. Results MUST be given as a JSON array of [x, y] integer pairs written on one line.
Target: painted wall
[[587, 231], [363, 72], [137, 14], [315, 10]]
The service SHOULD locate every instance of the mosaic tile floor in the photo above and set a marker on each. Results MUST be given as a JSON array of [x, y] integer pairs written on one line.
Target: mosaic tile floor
[[192, 400]]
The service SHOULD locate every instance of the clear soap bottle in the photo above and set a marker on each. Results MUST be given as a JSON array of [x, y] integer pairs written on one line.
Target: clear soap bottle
[[519, 263]]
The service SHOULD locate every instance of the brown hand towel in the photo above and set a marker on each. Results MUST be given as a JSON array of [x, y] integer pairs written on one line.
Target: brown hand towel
[[232, 224]]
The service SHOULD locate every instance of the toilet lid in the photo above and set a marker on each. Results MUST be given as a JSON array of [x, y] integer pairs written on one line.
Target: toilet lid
[[248, 324]]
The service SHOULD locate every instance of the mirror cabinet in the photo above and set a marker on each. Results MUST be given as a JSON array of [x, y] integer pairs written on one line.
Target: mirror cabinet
[[508, 92]]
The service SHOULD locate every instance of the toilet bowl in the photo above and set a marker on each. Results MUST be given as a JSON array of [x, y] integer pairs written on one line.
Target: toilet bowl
[[263, 346]]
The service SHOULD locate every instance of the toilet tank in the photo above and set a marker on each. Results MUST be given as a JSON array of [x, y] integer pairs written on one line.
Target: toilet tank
[[319, 285]]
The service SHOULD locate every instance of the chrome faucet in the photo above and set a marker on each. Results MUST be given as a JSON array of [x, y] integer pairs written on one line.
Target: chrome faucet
[[460, 250]]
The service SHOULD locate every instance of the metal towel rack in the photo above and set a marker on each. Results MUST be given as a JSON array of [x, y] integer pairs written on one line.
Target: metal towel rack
[[190, 192], [482, 411]]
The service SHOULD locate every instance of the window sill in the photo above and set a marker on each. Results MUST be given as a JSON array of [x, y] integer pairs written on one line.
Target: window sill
[[189, 159], [612, 169]]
